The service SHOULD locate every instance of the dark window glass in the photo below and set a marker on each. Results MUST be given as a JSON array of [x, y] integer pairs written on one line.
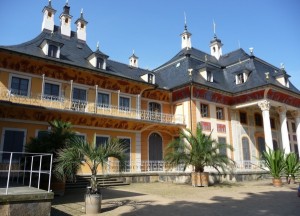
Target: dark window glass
[[204, 110], [101, 140], [51, 89], [79, 94], [19, 86], [52, 51], [261, 147], [222, 150], [219, 113], [243, 117], [124, 103], [293, 127], [272, 122], [246, 149], [150, 78], [126, 144], [258, 120], [99, 63], [13, 142], [103, 99]]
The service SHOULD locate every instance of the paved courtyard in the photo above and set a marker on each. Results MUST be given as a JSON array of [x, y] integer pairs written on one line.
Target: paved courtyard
[[161, 199]]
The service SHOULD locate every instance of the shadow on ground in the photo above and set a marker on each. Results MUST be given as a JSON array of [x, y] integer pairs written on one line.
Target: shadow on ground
[[276, 203]]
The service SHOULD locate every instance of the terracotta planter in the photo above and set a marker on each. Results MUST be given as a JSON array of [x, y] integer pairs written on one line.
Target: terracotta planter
[[200, 179], [277, 182], [93, 203]]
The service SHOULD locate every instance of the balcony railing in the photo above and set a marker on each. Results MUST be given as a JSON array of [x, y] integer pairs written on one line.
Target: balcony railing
[[25, 169], [162, 166], [88, 107]]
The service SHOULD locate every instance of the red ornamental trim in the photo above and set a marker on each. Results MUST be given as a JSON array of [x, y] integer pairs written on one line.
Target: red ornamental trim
[[283, 98], [181, 94], [206, 126]]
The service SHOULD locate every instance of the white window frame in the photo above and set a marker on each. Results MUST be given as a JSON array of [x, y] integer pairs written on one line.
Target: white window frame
[[109, 98], [130, 145], [22, 77], [53, 83], [123, 110]]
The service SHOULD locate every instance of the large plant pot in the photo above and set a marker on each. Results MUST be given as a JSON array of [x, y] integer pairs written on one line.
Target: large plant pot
[[277, 182], [200, 179], [93, 203]]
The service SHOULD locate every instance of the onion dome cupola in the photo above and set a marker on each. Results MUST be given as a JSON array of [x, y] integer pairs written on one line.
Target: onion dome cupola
[[216, 45], [65, 21], [133, 60], [81, 24], [48, 18], [98, 59]]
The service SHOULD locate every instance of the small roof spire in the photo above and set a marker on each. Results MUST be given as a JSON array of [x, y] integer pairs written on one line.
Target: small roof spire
[[97, 45], [67, 2], [214, 26], [185, 25]]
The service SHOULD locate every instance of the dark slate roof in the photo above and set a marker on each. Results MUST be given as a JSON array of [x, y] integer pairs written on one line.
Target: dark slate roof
[[174, 73], [170, 75], [75, 52]]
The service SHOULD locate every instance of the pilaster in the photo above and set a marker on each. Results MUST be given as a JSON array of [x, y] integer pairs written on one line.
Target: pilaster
[[284, 130], [265, 108]]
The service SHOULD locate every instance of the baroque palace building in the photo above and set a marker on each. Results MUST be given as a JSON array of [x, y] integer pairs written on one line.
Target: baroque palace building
[[242, 99]]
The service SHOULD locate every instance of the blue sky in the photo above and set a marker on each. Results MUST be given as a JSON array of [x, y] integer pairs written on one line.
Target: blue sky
[[152, 27]]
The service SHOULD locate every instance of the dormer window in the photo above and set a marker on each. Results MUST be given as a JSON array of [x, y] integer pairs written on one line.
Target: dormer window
[[150, 78], [241, 78], [51, 48], [99, 63], [52, 51], [209, 76]]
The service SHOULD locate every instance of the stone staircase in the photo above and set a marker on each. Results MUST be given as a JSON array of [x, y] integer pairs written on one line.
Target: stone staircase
[[82, 181]]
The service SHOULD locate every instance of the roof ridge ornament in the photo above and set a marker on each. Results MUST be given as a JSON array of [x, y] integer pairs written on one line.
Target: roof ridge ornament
[[185, 25], [214, 27]]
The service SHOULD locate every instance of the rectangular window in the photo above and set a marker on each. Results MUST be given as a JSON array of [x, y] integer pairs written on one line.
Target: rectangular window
[[240, 78], [209, 76], [52, 51], [272, 122], [103, 100], [293, 127], [204, 110], [124, 103], [222, 150], [243, 117], [126, 144], [80, 136], [258, 119], [79, 94], [220, 113], [13, 142], [51, 91], [101, 140], [19, 86], [79, 99], [42, 134]]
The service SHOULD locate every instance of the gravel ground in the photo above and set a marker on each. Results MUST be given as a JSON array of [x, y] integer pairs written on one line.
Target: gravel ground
[[245, 198]]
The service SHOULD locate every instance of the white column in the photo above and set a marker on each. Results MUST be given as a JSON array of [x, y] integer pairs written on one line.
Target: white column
[[296, 115], [138, 150], [265, 107], [284, 129], [43, 84], [71, 91], [96, 98]]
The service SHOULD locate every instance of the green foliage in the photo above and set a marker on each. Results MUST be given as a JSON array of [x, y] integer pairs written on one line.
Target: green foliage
[[198, 150], [274, 160], [292, 165], [80, 152]]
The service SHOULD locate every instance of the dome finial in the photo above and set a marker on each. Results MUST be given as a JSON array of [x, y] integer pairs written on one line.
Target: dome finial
[[185, 25]]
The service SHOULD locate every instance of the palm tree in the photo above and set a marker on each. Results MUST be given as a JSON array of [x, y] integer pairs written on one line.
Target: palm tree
[[198, 150], [292, 166], [80, 152]]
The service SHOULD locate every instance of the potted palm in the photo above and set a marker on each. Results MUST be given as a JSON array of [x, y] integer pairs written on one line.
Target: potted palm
[[56, 138], [292, 167], [274, 161], [198, 150], [80, 152]]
